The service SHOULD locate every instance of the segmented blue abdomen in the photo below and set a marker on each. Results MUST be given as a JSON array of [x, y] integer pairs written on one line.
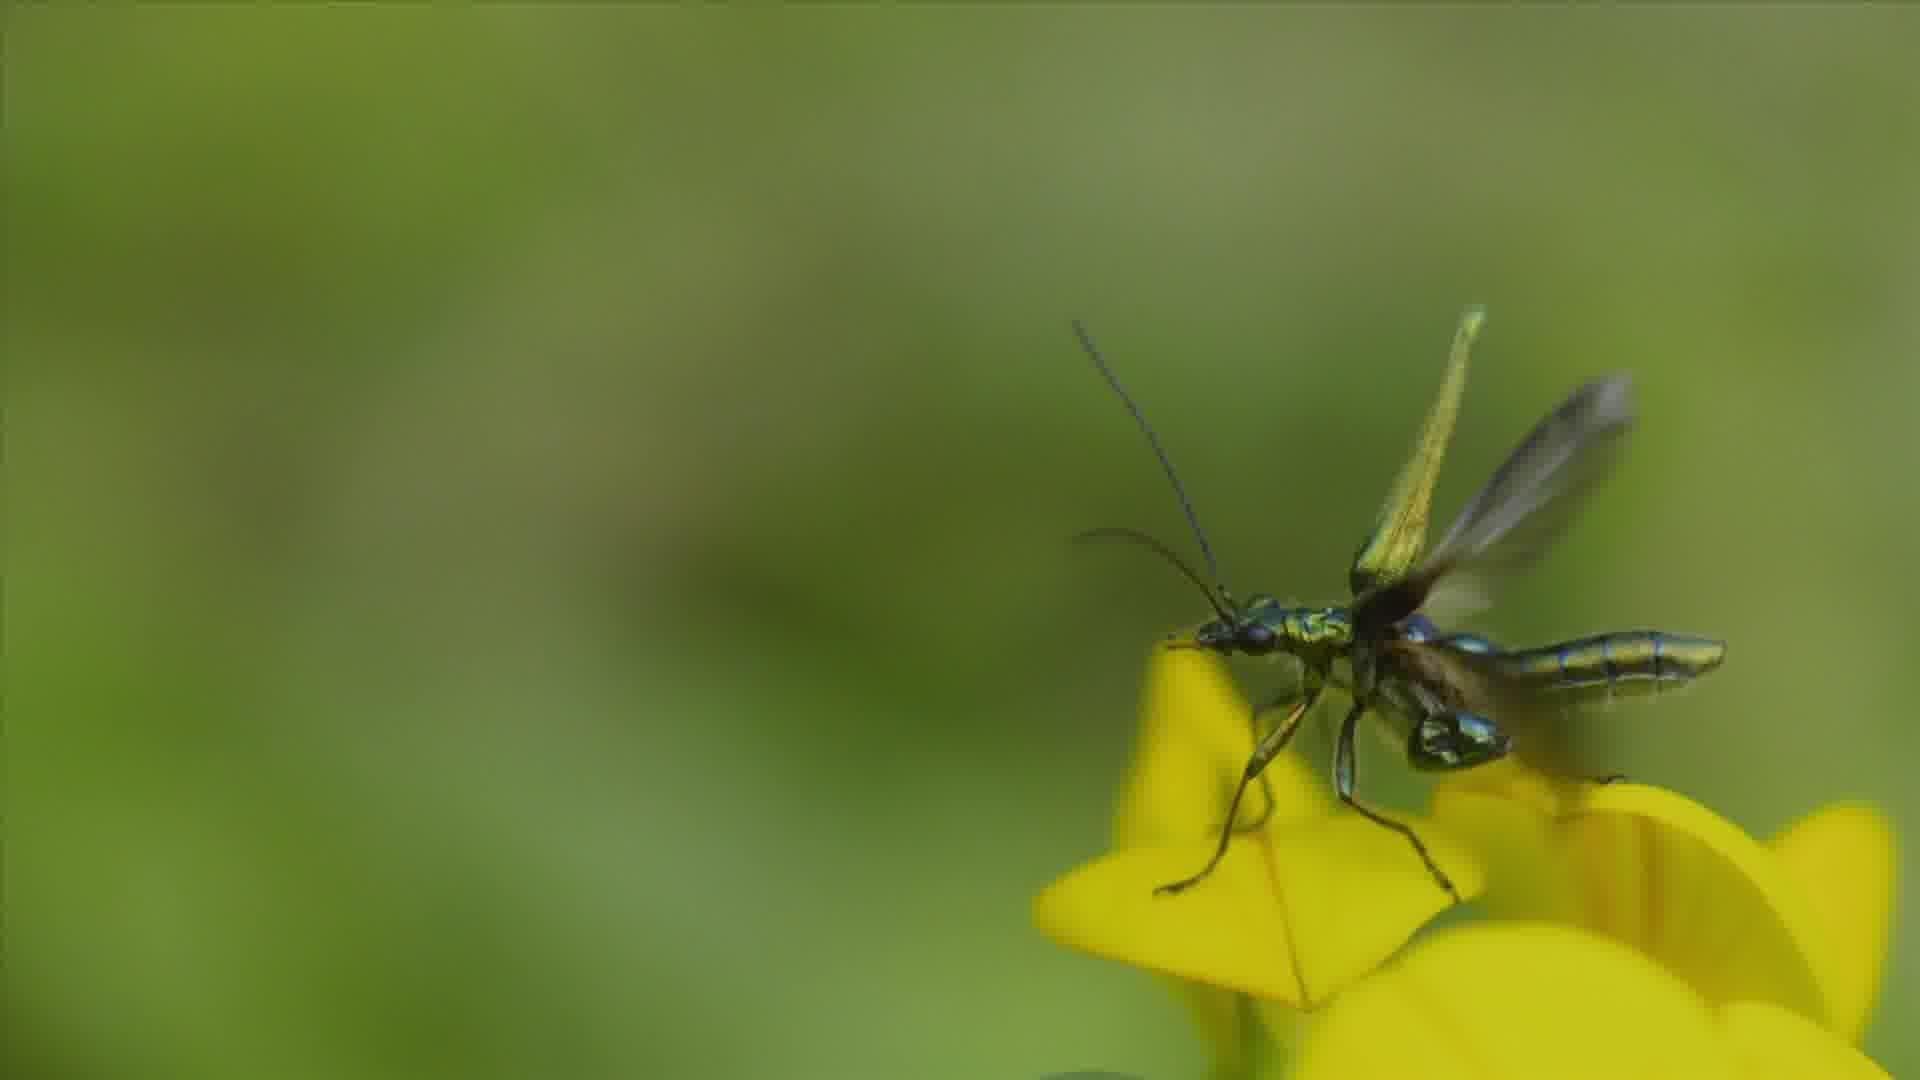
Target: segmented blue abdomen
[[1628, 663]]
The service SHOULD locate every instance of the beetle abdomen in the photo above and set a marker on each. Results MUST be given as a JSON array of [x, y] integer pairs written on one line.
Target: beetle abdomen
[[1628, 663]]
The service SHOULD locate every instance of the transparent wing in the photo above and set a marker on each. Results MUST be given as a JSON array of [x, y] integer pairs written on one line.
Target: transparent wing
[[1527, 504], [1400, 534], [1532, 496]]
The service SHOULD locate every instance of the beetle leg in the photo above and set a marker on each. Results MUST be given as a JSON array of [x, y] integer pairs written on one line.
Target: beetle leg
[[1263, 753], [1343, 781]]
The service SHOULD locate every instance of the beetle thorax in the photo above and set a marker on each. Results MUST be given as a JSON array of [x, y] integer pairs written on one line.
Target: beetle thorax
[[1265, 627]]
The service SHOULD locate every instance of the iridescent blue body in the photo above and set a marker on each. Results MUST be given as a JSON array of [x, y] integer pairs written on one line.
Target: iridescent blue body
[[1598, 668], [1601, 667], [1460, 699]]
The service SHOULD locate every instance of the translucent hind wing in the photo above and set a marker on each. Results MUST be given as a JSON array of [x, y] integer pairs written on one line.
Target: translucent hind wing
[[1532, 496], [1399, 536], [1526, 505]]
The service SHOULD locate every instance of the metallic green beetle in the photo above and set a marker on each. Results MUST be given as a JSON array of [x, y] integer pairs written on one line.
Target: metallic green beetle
[[1460, 699]]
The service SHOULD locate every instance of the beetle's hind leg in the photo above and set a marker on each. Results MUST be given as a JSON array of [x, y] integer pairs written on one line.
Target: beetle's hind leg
[[1343, 782]]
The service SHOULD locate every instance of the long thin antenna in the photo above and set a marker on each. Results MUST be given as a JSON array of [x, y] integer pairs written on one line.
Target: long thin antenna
[[1137, 537], [1193, 519]]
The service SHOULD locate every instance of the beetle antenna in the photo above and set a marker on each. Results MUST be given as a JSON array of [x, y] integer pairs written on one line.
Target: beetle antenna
[[1217, 594], [1136, 537]]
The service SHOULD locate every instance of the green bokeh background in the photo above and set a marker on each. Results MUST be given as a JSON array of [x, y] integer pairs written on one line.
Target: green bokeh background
[[536, 536]]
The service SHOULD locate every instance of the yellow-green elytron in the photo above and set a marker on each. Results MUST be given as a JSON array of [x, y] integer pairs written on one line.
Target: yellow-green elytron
[[1459, 699]]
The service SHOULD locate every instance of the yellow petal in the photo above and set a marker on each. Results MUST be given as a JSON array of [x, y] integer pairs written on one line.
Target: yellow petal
[[1656, 871], [1692, 890], [1517, 1000], [1293, 914], [1772, 1043], [1516, 846], [1843, 859], [1195, 737], [1513, 780], [1194, 740]]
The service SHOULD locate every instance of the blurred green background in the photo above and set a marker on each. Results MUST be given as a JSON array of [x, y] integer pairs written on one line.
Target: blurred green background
[[537, 536]]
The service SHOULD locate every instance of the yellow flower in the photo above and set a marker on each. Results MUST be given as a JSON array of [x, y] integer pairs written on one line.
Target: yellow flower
[[1636, 934], [1526, 1001], [1300, 907], [1631, 932], [1801, 923]]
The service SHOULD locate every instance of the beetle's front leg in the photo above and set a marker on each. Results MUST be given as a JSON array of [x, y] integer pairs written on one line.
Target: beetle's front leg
[[1263, 754], [1311, 683]]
